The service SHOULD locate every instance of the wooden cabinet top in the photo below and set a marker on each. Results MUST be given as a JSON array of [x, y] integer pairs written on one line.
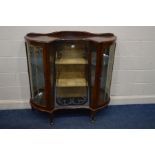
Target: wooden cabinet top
[[70, 35]]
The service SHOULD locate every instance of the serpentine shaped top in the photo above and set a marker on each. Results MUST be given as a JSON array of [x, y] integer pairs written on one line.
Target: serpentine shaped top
[[70, 35]]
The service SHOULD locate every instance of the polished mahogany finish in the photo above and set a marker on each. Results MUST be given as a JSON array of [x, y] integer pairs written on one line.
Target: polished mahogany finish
[[92, 56]]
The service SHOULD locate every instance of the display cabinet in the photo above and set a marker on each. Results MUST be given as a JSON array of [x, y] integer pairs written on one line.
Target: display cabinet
[[70, 70]]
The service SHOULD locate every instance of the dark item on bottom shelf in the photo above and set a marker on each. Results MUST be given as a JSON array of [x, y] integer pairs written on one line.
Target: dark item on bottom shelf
[[64, 101]]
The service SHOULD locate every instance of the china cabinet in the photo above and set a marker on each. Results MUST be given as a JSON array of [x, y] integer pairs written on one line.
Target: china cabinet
[[70, 70]]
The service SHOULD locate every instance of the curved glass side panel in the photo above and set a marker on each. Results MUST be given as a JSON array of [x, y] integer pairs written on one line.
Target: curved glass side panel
[[36, 74], [106, 75]]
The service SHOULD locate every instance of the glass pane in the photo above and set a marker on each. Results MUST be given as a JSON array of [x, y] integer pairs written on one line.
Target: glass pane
[[71, 66], [106, 76], [36, 71], [93, 66]]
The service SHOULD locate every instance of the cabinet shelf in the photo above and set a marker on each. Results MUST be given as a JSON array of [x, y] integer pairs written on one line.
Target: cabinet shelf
[[76, 82], [68, 61], [71, 91]]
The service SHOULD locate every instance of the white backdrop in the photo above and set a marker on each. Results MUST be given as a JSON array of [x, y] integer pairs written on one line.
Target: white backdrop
[[134, 68]]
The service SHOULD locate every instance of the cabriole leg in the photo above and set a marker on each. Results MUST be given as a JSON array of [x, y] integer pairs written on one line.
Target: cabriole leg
[[32, 108], [92, 116], [51, 119]]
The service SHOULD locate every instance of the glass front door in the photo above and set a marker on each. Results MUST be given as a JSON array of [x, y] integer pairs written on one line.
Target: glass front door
[[71, 73]]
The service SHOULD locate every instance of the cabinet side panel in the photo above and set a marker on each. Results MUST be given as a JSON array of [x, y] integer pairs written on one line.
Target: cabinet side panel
[[106, 73], [36, 74]]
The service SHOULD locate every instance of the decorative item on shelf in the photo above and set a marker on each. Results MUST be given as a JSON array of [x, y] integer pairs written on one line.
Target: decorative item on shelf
[[62, 101], [70, 70]]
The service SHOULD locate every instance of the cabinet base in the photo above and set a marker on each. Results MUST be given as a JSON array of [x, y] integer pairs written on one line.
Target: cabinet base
[[51, 111]]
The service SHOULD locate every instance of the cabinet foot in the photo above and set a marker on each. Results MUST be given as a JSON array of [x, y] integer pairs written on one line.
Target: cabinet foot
[[51, 119], [32, 108], [92, 116]]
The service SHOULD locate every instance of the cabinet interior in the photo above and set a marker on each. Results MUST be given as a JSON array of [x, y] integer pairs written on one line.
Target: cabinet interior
[[71, 67]]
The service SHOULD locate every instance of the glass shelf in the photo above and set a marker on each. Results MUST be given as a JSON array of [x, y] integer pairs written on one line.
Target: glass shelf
[[71, 61], [76, 82], [71, 91]]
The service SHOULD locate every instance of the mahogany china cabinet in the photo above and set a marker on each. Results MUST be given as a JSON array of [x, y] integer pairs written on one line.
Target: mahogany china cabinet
[[70, 70]]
